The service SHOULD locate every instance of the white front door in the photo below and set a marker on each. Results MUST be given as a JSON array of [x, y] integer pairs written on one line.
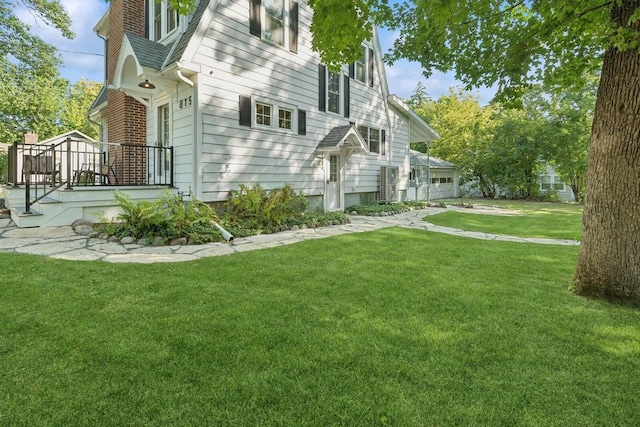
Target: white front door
[[334, 194]]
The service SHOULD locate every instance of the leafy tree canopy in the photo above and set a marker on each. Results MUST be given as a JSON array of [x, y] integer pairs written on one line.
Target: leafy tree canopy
[[18, 45]]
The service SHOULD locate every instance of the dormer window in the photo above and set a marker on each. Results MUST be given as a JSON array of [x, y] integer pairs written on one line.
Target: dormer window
[[165, 19]]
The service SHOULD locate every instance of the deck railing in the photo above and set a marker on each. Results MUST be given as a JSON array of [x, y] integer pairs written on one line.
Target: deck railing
[[42, 168]]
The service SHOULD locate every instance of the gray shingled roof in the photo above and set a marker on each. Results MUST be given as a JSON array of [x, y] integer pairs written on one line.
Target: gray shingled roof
[[100, 99], [421, 159], [149, 53], [191, 29], [334, 137]]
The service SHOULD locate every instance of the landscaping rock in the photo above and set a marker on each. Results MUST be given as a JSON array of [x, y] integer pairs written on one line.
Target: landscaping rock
[[144, 242], [304, 226], [178, 241], [83, 230], [103, 236], [157, 241], [81, 223], [295, 228], [127, 240], [113, 239]]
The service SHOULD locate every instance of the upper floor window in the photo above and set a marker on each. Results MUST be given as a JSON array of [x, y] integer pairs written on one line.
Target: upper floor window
[[333, 91], [165, 19], [275, 21], [362, 69]]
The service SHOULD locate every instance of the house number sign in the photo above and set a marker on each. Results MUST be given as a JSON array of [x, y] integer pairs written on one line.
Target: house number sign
[[185, 102]]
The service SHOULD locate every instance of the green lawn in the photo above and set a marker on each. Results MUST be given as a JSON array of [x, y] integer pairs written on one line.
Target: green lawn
[[397, 327], [534, 219]]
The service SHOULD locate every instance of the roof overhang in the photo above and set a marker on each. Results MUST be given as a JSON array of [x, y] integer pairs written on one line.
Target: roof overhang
[[419, 130], [343, 139], [130, 72]]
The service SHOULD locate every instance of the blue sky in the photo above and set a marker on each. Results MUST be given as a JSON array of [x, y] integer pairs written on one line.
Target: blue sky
[[82, 56]]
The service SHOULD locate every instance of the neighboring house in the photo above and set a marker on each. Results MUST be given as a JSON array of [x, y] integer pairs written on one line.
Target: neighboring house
[[552, 183], [432, 178], [86, 150], [233, 94]]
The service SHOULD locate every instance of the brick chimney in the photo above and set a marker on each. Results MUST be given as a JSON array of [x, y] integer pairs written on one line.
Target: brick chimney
[[30, 138], [126, 117]]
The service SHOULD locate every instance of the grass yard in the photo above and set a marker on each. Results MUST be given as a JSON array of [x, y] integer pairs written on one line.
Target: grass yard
[[397, 327], [534, 219]]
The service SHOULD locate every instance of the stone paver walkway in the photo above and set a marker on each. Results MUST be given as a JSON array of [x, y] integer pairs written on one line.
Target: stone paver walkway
[[64, 243]]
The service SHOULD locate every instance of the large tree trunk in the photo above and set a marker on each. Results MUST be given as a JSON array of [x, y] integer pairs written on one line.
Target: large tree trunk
[[609, 259]]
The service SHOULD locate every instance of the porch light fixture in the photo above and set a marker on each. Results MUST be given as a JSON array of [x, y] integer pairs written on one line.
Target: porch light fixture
[[146, 84]]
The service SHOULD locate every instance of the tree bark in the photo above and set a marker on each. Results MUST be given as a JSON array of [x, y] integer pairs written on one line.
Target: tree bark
[[609, 258]]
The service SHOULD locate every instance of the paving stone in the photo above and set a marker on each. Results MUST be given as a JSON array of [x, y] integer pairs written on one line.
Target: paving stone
[[107, 248], [51, 248], [149, 258], [215, 251], [80, 255]]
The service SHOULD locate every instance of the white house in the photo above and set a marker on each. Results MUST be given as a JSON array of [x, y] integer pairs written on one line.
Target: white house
[[233, 94], [551, 182]]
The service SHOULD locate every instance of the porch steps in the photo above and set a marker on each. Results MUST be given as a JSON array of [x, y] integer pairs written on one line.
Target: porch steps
[[63, 206]]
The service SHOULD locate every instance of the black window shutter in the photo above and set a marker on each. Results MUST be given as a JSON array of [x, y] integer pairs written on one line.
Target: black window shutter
[[371, 67], [322, 87], [383, 142], [293, 26], [255, 26], [352, 70], [245, 110], [347, 95], [302, 122]]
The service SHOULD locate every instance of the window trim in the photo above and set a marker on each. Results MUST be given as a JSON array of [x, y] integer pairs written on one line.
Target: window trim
[[290, 16], [276, 106], [382, 140], [166, 36]]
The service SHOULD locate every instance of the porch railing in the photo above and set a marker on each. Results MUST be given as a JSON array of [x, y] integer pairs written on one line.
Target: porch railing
[[42, 169]]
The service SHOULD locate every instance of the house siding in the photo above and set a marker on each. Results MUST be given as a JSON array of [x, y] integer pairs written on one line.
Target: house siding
[[234, 63]]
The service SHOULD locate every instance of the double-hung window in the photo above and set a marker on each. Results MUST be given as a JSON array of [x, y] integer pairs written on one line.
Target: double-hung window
[[360, 72], [165, 19], [375, 139], [362, 69], [275, 21], [333, 91]]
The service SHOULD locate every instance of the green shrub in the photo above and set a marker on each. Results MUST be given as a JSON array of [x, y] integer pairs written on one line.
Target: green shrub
[[390, 208], [254, 208], [168, 217]]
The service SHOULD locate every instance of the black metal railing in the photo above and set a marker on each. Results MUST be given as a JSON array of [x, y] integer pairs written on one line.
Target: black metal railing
[[42, 168]]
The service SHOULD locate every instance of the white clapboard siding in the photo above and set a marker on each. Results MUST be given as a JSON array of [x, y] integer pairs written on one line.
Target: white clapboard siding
[[235, 63]]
